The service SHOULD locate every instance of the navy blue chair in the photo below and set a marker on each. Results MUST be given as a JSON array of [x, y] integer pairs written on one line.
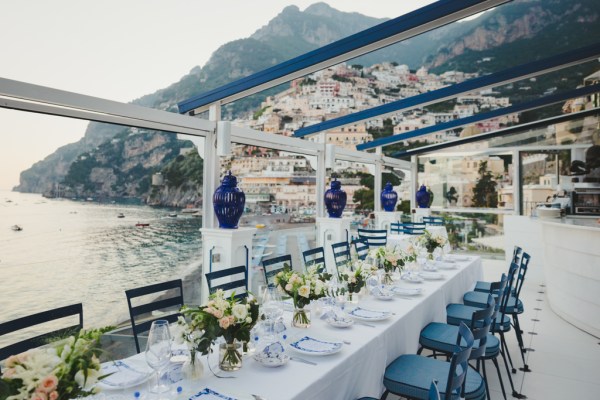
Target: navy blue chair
[[407, 228], [375, 237], [441, 337], [139, 313], [434, 393], [38, 319], [315, 257], [361, 246], [229, 280], [272, 266], [482, 286], [411, 375], [434, 221], [341, 255]]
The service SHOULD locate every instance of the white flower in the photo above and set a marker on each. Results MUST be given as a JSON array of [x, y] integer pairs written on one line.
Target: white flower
[[304, 291], [87, 383], [239, 311], [319, 287], [248, 320]]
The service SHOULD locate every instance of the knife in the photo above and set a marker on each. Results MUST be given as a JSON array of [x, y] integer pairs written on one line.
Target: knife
[[303, 360]]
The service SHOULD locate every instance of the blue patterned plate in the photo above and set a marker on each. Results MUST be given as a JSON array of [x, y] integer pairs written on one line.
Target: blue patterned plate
[[316, 347], [210, 394], [369, 315], [124, 374]]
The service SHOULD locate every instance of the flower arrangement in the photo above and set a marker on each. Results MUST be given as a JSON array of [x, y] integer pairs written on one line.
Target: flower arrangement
[[355, 280], [221, 317], [389, 259], [430, 242], [67, 369], [302, 288]]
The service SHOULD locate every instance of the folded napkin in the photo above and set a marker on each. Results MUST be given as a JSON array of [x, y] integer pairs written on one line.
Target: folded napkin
[[381, 290]]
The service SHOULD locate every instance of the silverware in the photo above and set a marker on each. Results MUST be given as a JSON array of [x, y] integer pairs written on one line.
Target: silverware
[[257, 397], [302, 360], [364, 323], [346, 342]]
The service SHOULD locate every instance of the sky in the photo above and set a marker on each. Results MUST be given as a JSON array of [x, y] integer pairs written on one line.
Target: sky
[[120, 50]]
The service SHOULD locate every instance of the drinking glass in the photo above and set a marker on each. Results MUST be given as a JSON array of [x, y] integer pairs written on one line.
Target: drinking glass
[[422, 258], [272, 306], [158, 351]]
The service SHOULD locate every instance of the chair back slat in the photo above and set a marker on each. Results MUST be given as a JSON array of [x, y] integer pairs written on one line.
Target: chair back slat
[[434, 221], [361, 246], [272, 266], [516, 254], [226, 281], [172, 300], [434, 393], [375, 237], [407, 228], [481, 321], [37, 319], [341, 254], [314, 257], [521, 276], [459, 363]]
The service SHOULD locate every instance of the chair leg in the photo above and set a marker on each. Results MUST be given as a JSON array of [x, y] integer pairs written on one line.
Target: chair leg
[[495, 361], [515, 394], [487, 387], [385, 395], [519, 334], [420, 350], [505, 346]]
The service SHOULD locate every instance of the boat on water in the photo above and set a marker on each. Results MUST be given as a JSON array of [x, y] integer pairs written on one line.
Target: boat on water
[[173, 215], [120, 215], [16, 228], [142, 224]]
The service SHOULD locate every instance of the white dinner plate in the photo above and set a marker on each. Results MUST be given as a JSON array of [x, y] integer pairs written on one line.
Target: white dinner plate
[[340, 322], [212, 394], [445, 265], [402, 291], [124, 374], [369, 315], [316, 347], [412, 278], [431, 276]]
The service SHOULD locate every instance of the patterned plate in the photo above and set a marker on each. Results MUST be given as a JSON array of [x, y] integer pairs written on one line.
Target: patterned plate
[[402, 291], [316, 347], [369, 315], [210, 394], [124, 374]]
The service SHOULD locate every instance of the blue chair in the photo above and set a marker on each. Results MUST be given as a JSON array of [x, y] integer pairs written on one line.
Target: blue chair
[[37, 319], [482, 286], [411, 375], [272, 266], [341, 255], [460, 313], [441, 337], [434, 221], [315, 257], [230, 280], [407, 228], [375, 237], [361, 246], [434, 393], [170, 300]]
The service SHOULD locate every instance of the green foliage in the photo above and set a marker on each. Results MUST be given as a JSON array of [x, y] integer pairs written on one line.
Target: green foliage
[[339, 78], [184, 169], [80, 170], [484, 192], [364, 199]]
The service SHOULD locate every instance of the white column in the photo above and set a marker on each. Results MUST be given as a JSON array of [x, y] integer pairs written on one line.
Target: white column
[[377, 182], [383, 219], [330, 231], [320, 183], [414, 176], [227, 248], [516, 183], [211, 172]]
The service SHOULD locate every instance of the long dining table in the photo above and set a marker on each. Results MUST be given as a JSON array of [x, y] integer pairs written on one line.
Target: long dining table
[[355, 371]]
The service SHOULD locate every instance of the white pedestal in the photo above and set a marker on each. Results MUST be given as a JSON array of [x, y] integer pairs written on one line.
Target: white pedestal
[[383, 219], [330, 231], [420, 213], [228, 248]]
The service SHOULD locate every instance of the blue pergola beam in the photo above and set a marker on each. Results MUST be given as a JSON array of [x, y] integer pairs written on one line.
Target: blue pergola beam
[[500, 132], [457, 123], [506, 76], [432, 16]]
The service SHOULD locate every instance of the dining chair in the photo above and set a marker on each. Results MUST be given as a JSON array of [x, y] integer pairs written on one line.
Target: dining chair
[[460, 313], [315, 257], [341, 255], [361, 246], [229, 280], [407, 228], [483, 286], [441, 337], [38, 319], [141, 314], [410, 375], [434, 221], [272, 266], [375, 237], [434, 393]]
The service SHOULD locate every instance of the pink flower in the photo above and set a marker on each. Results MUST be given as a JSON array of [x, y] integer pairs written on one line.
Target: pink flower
[[224, 322], [39, 396], [53, 395], [218, 313], [48, 384], [231, 319], [12, 361]]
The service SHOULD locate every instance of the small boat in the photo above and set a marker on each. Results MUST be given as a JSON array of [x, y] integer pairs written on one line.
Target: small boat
[[260, 226], [142, 224], [173, 215], [120, 215], [16, 228]]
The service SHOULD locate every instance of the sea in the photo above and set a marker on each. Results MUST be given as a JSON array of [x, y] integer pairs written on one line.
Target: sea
[[72, 251]]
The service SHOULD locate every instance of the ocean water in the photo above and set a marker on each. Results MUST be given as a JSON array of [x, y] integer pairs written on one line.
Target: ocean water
[[79, 251]]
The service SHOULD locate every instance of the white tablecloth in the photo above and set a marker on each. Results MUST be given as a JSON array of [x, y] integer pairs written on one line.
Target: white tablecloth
[[358, 369], [402, 241]]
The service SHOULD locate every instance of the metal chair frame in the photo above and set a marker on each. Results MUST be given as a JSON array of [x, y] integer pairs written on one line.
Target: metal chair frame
[[375, 237], [314, 257], [272, 266], [228, 286]]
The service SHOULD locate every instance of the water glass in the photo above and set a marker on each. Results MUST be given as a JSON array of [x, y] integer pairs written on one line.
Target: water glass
[[158, 351], [272, 306], [422, 258]]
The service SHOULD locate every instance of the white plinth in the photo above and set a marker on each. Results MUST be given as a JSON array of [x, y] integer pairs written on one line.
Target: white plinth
[[383, 219], [330, 231], [228, 248], [420, 213]]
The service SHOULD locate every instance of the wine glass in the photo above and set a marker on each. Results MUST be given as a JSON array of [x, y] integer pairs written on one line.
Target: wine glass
[[422, 258], [158, 351], [272, 306]]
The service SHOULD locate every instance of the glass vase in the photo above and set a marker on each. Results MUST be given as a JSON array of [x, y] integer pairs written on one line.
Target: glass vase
[[301, 317], [387, 278], [192, 368], [230, 358], [352, 297]]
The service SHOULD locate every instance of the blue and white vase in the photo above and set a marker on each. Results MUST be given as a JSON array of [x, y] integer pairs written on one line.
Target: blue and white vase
[[229, 202], [389, 198], [423, 197], [335, 199]]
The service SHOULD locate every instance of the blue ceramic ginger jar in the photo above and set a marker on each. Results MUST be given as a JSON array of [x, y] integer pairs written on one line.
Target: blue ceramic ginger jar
[[229, 202], [423, 197], [389, 198], [335, 199]]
